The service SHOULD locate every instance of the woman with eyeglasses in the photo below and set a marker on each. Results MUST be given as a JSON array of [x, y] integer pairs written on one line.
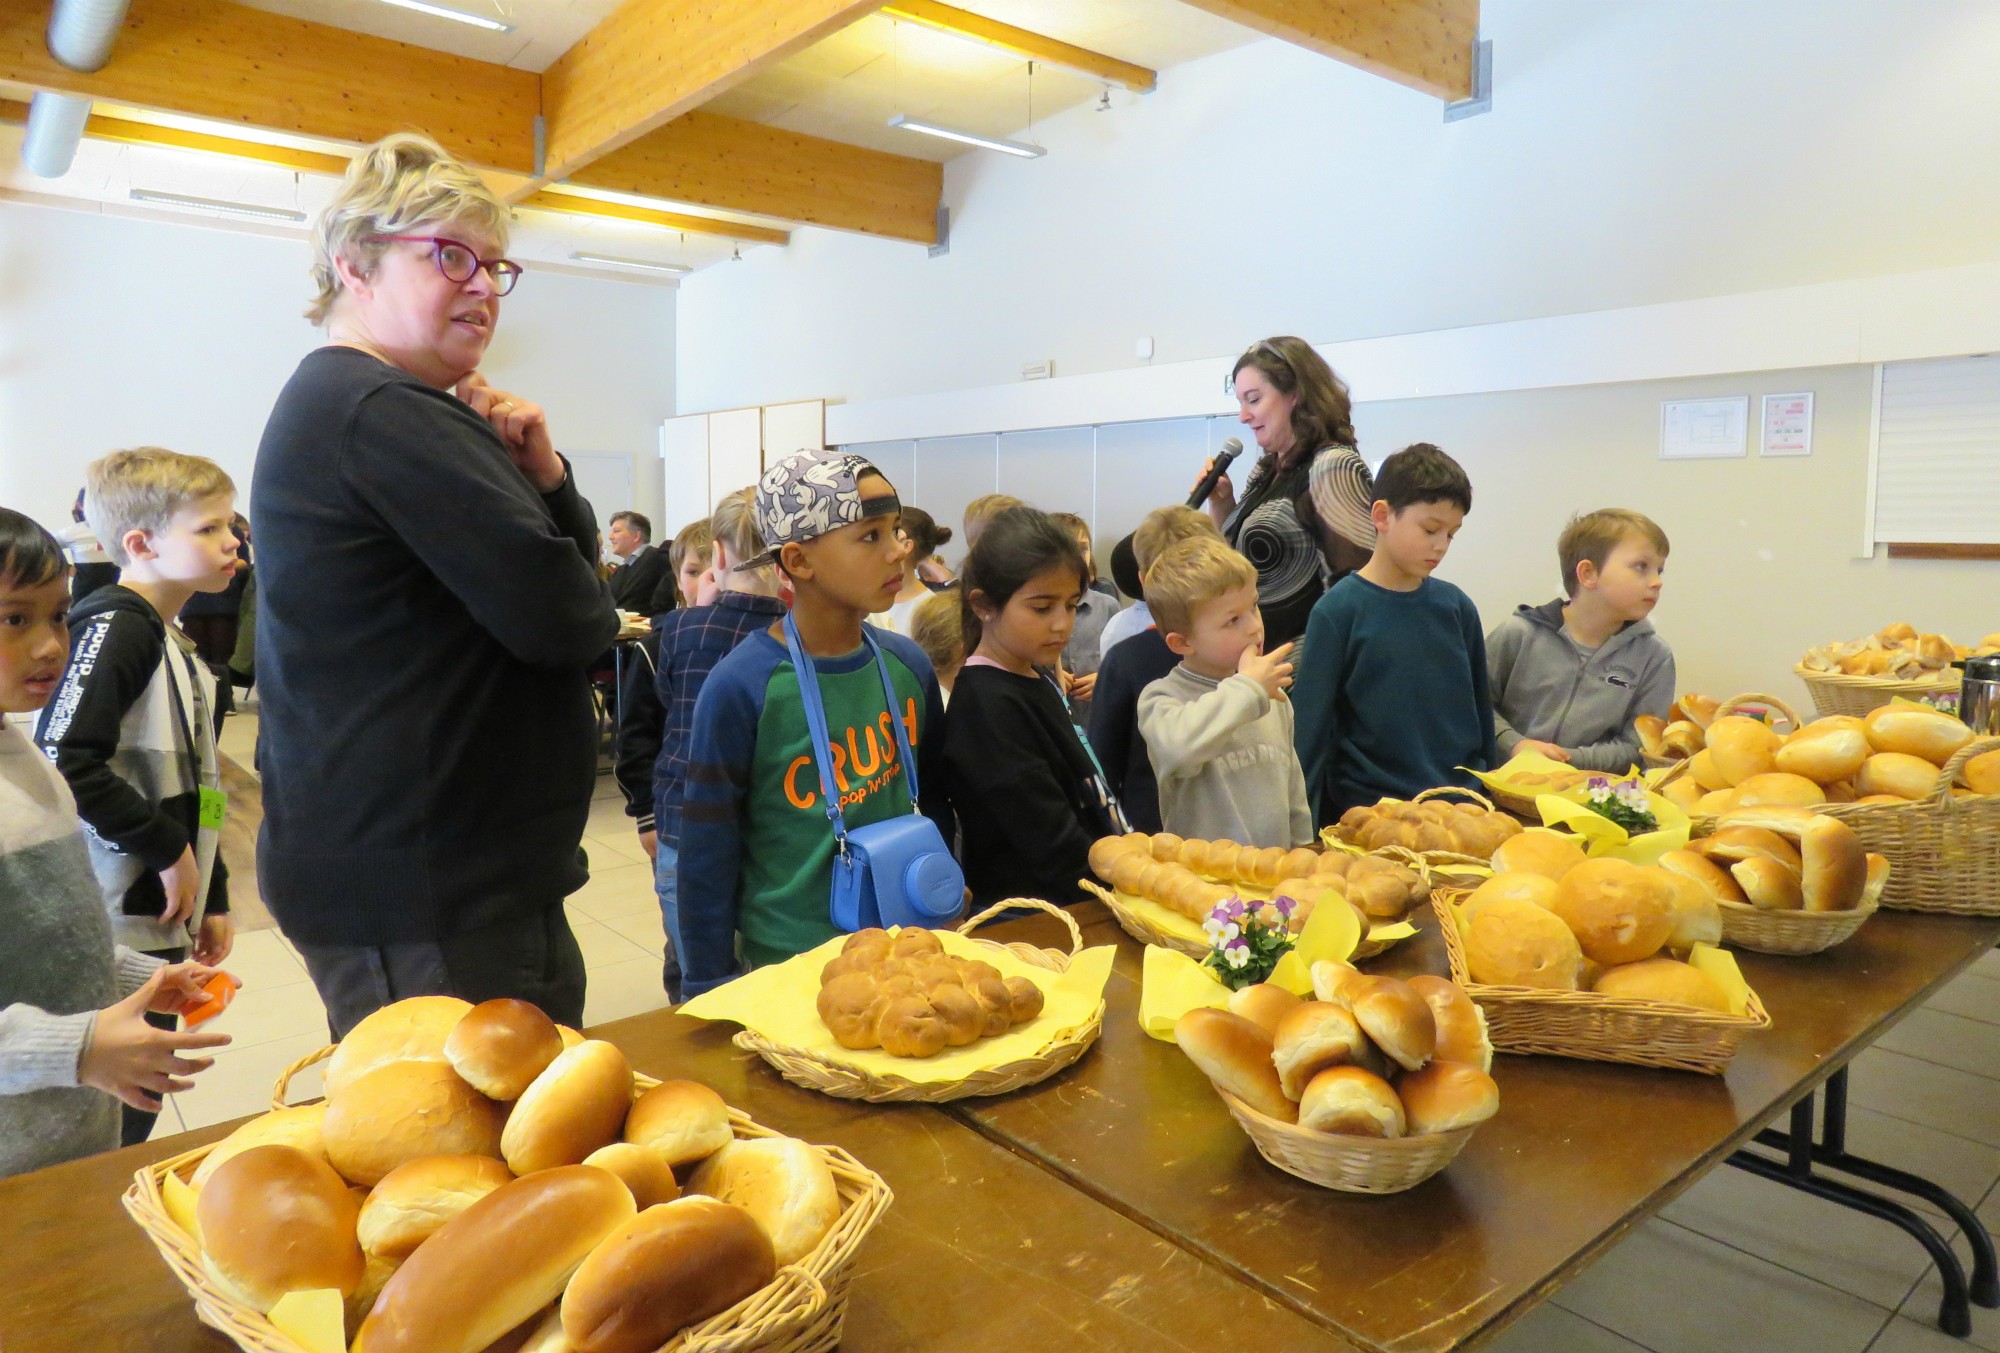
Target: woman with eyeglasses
[[1303, 518], [428, 598]]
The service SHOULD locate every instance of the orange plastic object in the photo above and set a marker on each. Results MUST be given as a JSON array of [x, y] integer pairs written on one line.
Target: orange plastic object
[[221, 989]]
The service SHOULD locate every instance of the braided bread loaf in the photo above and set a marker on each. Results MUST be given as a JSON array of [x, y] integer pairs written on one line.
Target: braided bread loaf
[[1191, 877], [1460, 828]]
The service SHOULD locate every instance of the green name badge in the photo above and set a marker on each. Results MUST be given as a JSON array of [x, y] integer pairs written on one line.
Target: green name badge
[[214, 803]]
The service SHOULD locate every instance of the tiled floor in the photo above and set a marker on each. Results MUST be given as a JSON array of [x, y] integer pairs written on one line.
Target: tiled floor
[[1735, 1265]]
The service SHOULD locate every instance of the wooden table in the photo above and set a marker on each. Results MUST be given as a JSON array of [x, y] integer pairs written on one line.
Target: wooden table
[[1580, 1153], [982, 1249]]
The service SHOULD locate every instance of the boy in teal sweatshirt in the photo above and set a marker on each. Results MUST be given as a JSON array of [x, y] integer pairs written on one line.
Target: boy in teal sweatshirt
[[1391, 697]]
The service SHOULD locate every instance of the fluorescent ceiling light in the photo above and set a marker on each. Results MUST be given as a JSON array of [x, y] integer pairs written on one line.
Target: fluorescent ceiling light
[[211, 204], [646, 264], [1024, 149], [440, 12]]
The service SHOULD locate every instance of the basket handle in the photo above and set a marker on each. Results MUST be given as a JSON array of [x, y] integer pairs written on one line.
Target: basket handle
[[1674, 772], [1941, 795], [280, 1092], [791, 1283], [1735, 702], [1442, 790], [1036, 903]]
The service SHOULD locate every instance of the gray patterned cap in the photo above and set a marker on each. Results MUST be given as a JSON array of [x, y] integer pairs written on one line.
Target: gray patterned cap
[[810, 493]]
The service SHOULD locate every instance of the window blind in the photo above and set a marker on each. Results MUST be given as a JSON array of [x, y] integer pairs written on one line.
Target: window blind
[[1937, 458]]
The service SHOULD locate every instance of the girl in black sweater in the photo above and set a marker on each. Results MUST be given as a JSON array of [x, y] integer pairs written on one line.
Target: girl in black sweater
[[1030, 795]]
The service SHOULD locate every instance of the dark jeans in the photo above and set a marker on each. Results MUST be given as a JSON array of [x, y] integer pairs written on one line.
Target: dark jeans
[[533, 958], [138, 1123]]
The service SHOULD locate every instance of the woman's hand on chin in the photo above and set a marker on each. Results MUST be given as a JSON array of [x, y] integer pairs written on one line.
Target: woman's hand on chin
[[523, 429]]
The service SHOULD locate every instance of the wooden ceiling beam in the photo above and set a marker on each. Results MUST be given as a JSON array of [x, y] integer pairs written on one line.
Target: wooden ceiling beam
[[1022, 42], [653, 60], [571, 204], [231, 63], [728, 164], [1426, 45]]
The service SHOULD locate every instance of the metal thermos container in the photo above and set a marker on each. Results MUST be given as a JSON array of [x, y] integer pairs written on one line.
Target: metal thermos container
[[1979, 695]]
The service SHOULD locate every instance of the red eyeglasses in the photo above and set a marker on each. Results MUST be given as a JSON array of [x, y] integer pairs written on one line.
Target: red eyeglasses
[[459, 262]]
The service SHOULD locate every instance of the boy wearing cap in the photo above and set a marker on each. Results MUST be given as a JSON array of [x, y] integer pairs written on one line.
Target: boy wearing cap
[[756, 853]]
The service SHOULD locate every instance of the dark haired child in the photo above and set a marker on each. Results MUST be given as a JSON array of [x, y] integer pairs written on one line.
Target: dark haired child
[[1030, 795], [755, 872], [74, 1039], [1391, 697]]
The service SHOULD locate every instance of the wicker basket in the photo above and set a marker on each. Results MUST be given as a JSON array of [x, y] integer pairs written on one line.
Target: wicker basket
[[799, 1311], [1788, 932], [1349, 1164], [1594, 1028], [1838, 693], [814, 1071]]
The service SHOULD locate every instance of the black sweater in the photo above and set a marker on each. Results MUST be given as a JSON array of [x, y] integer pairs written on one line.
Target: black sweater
[[635, 586], [1020, 782], [1131, 666], [424, 619]]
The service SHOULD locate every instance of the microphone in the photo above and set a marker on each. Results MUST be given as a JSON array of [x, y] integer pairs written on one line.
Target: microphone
[[1231, 449]]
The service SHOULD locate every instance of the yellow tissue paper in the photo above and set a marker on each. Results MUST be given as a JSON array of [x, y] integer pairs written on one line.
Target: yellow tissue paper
[[1170, 985], [1720, 964], [179, 1199], [779, 1003], [313, 1318], [1331, 934], [1507, 778]]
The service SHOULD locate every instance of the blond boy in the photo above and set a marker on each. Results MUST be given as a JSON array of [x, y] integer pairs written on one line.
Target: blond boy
[[1569, 677], [1218, 728]]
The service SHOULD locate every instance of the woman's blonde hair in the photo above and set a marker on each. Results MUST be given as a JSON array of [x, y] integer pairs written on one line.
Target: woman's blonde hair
[[399, 183], [1324, 413]]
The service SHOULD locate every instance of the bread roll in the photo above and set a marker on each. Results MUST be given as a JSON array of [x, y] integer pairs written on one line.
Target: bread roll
[[1263, 1004], [1236, 1056], [409, 1030], [1317, 1035], [1619, 912], [1728, 844], [1702, 770], [1713, 877], [1900, 632], [417, 1197], [1694, 914], [1935, 651], [275, 1220], [1700, 709], [682, 1120], [1914, 730], [1981, 774], [1447, 1096], [670, 1267], [500, 1046], [1897, 773], [574, 1107], [1767, 884], [1650, 728], [1823, 752], [1741, 747], [1877, 880], [846, 1005], [1539, 851], [1778, 788], [494, 1265], [1716, 803], [376, 1270], [1536, 889], [402, 1110], [1681, 739], [1835, 867], [644, 1172], [1351, 1102], [1683, 792], [1664, 979], [1840, 791], [1514, 943], [785, 1185], [301, 1126], [1397, 1020], [1461, 1024]]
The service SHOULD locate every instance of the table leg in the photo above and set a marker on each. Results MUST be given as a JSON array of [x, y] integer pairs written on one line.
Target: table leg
[[1803, 1152]]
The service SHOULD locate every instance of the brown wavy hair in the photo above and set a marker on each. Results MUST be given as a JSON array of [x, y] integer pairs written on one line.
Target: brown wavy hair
[[1324, 414]]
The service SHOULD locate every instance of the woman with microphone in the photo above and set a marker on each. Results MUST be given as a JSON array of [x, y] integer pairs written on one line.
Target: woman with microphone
[[1303, 518]]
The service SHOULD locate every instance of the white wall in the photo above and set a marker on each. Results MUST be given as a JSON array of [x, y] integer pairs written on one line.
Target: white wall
[[1638, 153], [117, 332]]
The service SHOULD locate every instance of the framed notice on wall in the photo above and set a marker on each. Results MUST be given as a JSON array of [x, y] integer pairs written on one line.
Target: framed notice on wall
[[1788, 424], [1704, 429]]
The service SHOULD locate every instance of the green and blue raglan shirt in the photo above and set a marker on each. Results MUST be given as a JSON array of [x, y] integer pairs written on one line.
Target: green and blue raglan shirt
[[756, 846]]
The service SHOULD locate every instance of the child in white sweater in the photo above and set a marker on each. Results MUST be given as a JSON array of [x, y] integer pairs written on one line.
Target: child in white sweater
[[74, 1040]]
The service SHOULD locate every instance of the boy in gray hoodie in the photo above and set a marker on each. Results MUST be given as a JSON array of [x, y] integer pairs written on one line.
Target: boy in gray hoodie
[[1569, 677], [1218, 727]]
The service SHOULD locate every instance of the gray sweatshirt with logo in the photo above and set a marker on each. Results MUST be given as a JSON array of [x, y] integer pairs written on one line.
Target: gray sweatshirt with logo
[[1222, 752], [1549, 688]]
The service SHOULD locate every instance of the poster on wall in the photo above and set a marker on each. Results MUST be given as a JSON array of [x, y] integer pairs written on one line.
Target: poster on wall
[[1704, 429], [1788, 424]]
